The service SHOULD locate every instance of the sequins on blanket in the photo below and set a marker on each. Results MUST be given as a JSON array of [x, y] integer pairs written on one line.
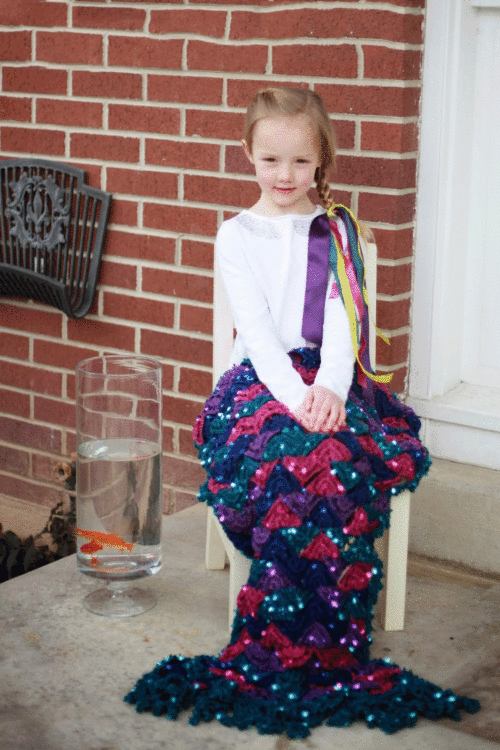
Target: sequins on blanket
[[306, 507]]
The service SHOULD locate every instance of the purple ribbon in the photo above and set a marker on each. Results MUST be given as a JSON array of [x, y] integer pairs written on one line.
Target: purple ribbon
[[317, 280]]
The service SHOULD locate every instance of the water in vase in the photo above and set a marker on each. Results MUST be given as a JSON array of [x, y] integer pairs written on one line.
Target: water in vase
[[119, 508]]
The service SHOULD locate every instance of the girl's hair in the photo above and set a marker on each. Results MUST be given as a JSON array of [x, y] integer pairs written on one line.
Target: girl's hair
[[286, 102]]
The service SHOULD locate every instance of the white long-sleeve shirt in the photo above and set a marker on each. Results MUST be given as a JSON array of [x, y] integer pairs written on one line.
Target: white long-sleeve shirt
[[263, 262]]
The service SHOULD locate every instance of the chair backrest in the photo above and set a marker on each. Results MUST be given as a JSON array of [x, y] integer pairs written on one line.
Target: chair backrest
[[223, 319], [52, 229]]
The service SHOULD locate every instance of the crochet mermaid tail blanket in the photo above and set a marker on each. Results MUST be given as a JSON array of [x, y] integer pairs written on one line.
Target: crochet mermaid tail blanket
[[306, 507]]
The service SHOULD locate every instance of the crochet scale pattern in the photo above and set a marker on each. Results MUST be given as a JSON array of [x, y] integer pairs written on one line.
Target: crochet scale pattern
[[306, 507]]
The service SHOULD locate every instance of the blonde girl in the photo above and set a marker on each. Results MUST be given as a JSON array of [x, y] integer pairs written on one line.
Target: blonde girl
[[302, 452]]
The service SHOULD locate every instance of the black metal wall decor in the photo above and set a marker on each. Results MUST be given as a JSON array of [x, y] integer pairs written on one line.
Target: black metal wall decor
[[52, 229]]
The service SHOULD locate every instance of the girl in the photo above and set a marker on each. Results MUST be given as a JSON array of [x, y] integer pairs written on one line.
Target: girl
[[301, 458]]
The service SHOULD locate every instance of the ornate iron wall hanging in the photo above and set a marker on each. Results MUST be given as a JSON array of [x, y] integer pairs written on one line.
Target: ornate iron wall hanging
[[52, 229]]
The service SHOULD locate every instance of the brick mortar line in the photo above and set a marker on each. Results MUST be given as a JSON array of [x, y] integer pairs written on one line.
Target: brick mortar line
[[394, 263], [168, 484], [320, 4], [229, 9], [193, 139], [227, 27], [141, 326], [192, 366], [183, 456], [189, 107], [70, 370], [6, 386], [32, 421], [137, 325], [33, 46], [392, 368], [29, 478], [185, 396], [392, 333], [42, 484], [156, 265], [181, 363], [142, 136], [184, 61], [195, 72], [157, 298], [38, 366], [105, 50], [393, 192], [106, 34], [394, 298], [393, 227], [237, 209], [165, 234], [21, 449], [303, 41]]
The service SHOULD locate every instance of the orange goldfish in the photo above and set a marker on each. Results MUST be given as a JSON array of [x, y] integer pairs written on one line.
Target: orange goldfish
[[100, 540], [90, 548]]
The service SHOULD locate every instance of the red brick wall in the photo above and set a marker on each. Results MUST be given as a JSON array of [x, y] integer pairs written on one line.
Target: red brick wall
[[148, 97]]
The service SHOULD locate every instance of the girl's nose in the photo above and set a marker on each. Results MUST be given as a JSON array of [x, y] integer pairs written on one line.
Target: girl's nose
[[285, 172]]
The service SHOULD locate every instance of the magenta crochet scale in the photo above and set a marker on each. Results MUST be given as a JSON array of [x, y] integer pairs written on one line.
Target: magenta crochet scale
[[306, 508]]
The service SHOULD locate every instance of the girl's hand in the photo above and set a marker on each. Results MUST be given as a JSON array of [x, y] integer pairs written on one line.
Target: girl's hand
[[321, 410]]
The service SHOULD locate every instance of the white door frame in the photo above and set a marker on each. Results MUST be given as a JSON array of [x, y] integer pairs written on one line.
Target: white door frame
[[460, 422]]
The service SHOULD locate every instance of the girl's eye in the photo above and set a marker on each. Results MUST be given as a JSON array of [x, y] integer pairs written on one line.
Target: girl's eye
[[269, 158]]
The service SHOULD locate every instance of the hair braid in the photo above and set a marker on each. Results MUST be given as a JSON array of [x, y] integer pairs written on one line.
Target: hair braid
[[323, 188]]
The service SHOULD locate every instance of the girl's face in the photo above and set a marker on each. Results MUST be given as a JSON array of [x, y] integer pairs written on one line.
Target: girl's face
[[285, 154]]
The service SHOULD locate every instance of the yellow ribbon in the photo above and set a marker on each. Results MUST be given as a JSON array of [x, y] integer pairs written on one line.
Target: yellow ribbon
[[354, 323]]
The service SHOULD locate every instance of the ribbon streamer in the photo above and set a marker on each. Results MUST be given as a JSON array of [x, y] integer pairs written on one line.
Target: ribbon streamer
[[351, 289]]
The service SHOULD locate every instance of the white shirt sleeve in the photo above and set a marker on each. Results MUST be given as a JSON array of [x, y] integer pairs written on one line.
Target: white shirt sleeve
[[337, 356], [254, 322]]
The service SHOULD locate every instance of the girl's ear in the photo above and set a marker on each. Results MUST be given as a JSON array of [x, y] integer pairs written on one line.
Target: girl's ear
[[247, 151]]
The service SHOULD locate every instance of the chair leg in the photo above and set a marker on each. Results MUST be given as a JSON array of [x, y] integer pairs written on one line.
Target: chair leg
[[396, 563], [239, 571], [215, 554], [219, 548]]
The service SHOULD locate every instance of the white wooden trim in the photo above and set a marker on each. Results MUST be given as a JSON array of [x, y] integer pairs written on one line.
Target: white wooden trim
[[485, 3], [436, 390]]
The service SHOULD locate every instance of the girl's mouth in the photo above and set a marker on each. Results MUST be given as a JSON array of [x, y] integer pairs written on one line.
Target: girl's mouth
[[285, 190]]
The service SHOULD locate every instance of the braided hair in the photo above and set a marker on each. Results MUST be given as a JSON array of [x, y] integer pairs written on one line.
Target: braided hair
[[323, 188]]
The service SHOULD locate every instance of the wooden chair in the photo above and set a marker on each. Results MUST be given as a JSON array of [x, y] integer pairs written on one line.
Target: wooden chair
[[392, 547]]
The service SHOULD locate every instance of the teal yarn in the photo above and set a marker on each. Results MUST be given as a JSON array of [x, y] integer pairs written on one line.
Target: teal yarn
[[307, 509]]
